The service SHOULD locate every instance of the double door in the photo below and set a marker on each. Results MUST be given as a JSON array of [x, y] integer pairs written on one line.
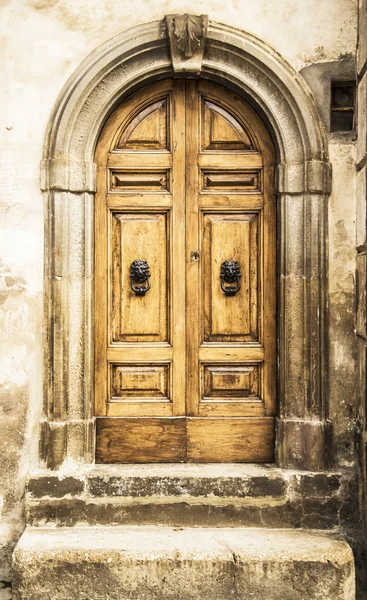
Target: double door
[[185, 302]]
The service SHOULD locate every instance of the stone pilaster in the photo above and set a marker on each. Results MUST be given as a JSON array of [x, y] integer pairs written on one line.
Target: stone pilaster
[[68, 412], [302, 427]]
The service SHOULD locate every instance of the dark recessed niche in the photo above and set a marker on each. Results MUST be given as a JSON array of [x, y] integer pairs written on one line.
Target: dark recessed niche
[[343, 94]]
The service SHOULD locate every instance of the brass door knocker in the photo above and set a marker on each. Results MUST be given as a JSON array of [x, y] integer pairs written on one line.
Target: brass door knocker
[[139, 276], [230, 272]]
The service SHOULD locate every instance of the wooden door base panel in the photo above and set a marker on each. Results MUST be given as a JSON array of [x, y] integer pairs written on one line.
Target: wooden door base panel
[[141, 440], [182, 439], [230, 440]]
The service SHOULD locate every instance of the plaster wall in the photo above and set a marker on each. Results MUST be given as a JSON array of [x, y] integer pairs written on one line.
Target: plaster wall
[[42, 42], [342, 350], [361, 237]]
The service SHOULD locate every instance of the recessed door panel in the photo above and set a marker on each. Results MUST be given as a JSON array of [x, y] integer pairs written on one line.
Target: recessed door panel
[[219, 182], [226, 382], [148, 129], [143, 237], [128, 181], [231, 237], [142, 382], [222, 130]]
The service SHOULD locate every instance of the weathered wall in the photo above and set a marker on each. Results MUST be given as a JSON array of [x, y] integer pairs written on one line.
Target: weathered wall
[[342, 215], [42, 43], [361, 238]]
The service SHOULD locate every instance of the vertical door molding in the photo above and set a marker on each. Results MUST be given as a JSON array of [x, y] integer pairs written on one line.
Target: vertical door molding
[[240, 60]]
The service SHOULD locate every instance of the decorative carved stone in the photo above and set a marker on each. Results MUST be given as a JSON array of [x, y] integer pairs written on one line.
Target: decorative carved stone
[[187, 38]]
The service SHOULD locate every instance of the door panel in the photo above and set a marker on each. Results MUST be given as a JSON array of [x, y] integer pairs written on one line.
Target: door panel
[[231, 389], [231, 237], [230, 440], [185, 370], [226, 383], [140, 381], [221, 129], [227, 182], [148, 129], [145, 181], [139, 236], [140, 338], [145, 440]]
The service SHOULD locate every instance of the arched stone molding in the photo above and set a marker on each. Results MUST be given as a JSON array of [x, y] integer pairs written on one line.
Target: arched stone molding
[[240, 60]]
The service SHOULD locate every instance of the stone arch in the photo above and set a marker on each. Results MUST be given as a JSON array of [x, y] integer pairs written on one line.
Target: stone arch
[[233, 58]]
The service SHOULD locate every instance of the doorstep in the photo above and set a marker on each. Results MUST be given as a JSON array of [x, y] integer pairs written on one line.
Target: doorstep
[[161, 563], [189, 495]]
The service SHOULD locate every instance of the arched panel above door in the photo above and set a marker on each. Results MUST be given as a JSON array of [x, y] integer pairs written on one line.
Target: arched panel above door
[[221, 130], [148, 129]]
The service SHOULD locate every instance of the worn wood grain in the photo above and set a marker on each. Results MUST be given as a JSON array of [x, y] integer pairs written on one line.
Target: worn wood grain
[[141, 440], [141, 236], [230, 440]]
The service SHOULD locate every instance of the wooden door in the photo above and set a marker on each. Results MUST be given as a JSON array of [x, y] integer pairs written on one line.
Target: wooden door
[[185, 279]]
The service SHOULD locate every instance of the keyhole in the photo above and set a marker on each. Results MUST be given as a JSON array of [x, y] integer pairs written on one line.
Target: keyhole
[[195, 256]]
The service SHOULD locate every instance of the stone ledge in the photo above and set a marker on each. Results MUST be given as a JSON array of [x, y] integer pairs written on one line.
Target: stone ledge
[[155, 563], [190, 495], [184, 513], [54, 487], [196, 480], [220, 480]]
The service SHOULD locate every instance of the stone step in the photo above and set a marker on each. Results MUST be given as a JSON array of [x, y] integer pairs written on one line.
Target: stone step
[[189, 495], [162, 563]]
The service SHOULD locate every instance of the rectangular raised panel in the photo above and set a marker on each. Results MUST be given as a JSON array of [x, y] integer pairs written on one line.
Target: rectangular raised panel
[[142, 181], [138, 236], [139, 382], [225, 181], [231, 237], [144, 440], [228, 382]]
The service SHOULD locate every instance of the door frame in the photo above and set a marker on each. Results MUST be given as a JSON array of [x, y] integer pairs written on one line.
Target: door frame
[[238, 60]]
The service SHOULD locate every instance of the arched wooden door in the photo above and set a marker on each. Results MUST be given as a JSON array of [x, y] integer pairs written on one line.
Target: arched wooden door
[[185, 279]]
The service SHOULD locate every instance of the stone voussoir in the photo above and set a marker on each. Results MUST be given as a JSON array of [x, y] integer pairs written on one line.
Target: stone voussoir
[[141, 563]]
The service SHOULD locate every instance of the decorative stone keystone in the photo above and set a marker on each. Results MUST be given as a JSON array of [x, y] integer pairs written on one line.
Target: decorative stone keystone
[[187, 39]]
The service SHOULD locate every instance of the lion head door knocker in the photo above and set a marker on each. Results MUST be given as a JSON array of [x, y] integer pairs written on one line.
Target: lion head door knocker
[[230, 272], [139, 276]]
